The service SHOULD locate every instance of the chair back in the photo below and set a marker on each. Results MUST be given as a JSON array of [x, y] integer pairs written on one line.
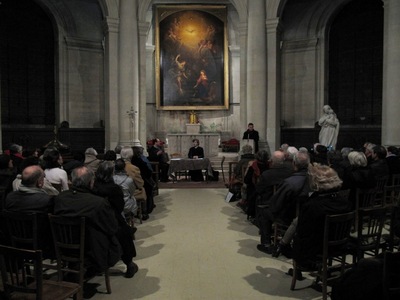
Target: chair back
[[394, 216], [16, 272], [336, 232], [365, 198], [395, 179], [370, 225], [222, 169], [22, 229], [69, 241], [381, 182], [392, 195]]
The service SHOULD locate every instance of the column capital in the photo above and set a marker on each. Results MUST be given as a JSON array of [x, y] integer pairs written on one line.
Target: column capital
[[273, 25], [111, 25], [143, 28], [242, 28]]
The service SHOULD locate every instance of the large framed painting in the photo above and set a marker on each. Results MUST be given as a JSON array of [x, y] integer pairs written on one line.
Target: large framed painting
[[191, 57]]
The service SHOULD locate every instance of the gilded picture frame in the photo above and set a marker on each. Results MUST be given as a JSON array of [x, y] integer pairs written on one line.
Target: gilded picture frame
[[191, 59]]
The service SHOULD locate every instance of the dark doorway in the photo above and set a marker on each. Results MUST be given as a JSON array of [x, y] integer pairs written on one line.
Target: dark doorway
[[26, 65]]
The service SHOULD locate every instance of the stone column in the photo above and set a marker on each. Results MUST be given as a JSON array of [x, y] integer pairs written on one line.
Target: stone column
[[143, 59], [128, 74], [391, 73], [242, 28], [273, 85], [256, 95], [111, 82]]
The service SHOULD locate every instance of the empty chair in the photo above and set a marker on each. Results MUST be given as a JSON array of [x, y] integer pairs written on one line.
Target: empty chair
[[69, 241], [22, 275], [369, 233]]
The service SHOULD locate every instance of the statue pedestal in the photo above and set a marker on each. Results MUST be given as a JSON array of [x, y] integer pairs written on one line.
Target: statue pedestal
[[192, 128]]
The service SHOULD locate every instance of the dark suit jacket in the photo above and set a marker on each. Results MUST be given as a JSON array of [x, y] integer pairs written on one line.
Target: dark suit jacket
[[196, 151], [102, 249]]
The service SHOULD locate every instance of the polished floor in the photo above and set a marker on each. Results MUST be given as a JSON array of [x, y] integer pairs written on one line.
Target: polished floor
[[197, 246]]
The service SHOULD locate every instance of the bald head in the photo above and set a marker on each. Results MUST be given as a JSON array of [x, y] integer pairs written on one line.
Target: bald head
[[277, 159], [82, 177], [32, 176]]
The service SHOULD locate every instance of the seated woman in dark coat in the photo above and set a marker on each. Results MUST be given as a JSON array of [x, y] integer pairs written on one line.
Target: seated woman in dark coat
[[324, 200], [104, 186]]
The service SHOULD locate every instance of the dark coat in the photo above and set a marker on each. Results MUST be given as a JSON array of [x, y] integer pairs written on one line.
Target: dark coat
[[310, 227], [102, 249], [252, 135], [196, 151], [292, 190], [269, 178], [379, 168]]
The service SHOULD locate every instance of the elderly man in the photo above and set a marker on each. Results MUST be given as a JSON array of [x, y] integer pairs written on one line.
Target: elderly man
[[91, 160], [31, 197], [283, 203], [102, 249]]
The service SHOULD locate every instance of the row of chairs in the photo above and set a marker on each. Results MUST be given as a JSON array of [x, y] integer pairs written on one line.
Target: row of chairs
[[69, 244], [332, 263]]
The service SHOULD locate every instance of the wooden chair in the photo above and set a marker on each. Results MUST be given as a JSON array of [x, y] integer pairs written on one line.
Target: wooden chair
[[23, 230], [395, 179], [22, 276], [381, 182], [365, 198], [392, 195], [222, 170], [69, 241], [368, 240], [336, 235], [392, 240], [391, 275], [156, 176]]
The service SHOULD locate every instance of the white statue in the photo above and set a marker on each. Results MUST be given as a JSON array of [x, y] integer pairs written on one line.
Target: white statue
[[329, 128]]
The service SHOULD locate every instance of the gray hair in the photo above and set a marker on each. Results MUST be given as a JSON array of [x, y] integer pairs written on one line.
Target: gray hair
[[82, 177], [301, 160], [291, 152], [126, 153], [246, 149], [91, 151], [357, 159], [277, 159]]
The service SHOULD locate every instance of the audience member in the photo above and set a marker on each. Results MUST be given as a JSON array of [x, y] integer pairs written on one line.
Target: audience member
[[16, 156], [105, 186], [7, 175], [196, 152], [393, 160], [110, 155], [134, 173], [378, 164], [47, 186], [147, 176], [101, 245], [54, 173], [30, 197], [128, 187], [77, 161], [157, 154], [236, 181], [254, 171], [283, 205], [324, 200], [91, 160]]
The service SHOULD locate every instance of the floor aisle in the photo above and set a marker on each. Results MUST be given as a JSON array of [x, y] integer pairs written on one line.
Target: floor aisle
[[197, 246]]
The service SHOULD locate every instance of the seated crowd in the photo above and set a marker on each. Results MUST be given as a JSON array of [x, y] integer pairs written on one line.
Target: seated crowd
[[105, 189], [298, 188]]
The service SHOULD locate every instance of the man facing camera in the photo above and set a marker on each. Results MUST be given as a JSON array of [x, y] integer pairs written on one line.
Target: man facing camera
[[196, 152]]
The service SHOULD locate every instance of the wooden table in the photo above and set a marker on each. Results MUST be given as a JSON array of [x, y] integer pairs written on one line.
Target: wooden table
[[182, 164]]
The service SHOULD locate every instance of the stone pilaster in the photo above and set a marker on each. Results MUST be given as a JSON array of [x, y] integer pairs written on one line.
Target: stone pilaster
[[256, 94], [391, 74]]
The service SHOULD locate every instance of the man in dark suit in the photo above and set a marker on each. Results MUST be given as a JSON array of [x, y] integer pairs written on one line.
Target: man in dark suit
[[157, 154], [102, 249], [196, 152], [251, 134]]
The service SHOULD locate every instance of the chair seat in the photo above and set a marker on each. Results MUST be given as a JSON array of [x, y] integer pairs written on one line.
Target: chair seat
[[59, 289]]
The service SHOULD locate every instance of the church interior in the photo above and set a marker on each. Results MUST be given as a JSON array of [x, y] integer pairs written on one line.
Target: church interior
[[102, 74]]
